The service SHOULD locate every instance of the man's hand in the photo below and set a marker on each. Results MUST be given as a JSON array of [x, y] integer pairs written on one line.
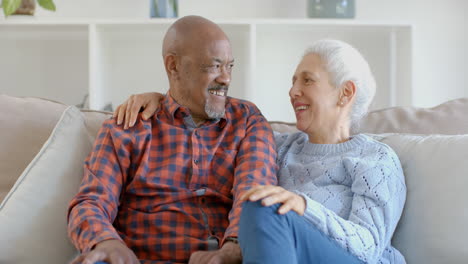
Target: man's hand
[[230, 253], [127, 112], [275, 194], [111, 251]]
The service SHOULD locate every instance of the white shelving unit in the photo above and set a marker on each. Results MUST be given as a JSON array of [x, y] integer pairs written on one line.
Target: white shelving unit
[[109, 59]]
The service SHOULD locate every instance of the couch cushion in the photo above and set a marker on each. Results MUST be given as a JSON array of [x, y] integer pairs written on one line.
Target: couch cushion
[[26, 124], [33, 216], [433, 228]]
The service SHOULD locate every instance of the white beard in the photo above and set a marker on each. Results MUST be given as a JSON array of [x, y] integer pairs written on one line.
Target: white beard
[[212, 112]]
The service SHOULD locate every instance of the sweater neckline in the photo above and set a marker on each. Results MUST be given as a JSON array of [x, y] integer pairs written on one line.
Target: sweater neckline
[[354, 142]]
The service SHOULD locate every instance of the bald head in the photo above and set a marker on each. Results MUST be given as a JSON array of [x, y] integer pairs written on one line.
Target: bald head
[[190, 33], [198, 61]]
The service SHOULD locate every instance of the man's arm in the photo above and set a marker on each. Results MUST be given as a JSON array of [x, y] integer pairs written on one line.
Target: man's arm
[[94, 208], [255, 165]]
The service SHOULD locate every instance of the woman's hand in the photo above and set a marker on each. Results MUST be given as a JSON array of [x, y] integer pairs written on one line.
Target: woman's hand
[[275, 194], [127, 112]]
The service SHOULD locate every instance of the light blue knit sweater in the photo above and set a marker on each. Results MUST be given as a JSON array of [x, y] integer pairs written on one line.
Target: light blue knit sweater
[[355, 191]]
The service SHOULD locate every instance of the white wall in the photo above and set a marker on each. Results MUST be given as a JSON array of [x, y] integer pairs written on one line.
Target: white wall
[[440, 57]]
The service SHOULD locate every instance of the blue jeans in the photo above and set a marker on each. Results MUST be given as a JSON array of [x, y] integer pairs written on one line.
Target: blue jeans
[[268, 237]]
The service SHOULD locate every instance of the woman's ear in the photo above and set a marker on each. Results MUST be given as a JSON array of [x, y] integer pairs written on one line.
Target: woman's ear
[[171, 65], [348, 91]]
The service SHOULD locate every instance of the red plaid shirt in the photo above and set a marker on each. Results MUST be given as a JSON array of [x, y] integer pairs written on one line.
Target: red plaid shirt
[[166, 187]]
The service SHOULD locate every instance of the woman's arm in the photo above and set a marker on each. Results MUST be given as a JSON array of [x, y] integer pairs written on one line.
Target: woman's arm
[[127, 112], [379, 193]]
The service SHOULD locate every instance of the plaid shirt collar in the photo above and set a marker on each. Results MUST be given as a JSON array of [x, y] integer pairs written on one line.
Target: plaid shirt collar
[[177, 111]]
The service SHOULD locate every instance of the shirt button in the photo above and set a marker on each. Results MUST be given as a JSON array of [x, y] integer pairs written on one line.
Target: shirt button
[[200, 192], [203, 200], [195, 161]]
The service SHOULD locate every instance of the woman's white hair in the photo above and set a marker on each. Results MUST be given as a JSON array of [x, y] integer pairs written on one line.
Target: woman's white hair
[[345, 63]]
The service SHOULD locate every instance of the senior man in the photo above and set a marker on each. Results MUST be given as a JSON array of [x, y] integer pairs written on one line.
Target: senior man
[[167, 189]]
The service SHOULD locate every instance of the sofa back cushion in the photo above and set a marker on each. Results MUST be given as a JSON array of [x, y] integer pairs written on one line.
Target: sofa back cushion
[[93, 120], [25, 123], [433, 227], [449, 118]]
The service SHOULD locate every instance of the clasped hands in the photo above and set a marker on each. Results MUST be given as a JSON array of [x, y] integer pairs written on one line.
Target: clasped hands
[[116, 252]]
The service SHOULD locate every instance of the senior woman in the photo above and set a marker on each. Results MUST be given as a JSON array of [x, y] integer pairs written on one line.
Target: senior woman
[[340, 196]]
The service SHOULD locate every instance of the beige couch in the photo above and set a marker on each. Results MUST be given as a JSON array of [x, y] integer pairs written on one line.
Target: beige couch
[[44, 144]]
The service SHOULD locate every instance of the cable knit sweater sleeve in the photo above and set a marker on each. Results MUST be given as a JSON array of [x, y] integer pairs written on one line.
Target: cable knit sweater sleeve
[[379, 194]]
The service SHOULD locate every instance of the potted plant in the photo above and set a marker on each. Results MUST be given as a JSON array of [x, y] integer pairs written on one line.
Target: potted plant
[[25, 7]]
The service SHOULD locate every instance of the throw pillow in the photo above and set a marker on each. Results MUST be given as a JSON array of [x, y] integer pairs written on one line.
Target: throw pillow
[[33, 216], [433, 228], [26, 123]]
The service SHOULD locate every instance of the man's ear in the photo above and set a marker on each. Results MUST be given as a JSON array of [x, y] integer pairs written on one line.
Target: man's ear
[[348, 91], [171, 65]]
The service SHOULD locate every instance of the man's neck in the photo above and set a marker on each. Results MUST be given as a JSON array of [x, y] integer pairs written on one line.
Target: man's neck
[[196, 119]]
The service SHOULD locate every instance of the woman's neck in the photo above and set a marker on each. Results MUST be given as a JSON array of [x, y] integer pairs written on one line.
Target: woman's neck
[[330, 136]]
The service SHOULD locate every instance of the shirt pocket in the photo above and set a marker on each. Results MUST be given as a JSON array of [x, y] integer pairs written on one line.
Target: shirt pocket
[[222, 170]]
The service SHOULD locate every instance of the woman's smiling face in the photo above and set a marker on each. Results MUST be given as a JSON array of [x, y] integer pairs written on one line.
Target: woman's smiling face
[[313, 97]]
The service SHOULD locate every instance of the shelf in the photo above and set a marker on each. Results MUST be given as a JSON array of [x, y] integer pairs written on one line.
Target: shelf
[[112, 59], [378, 44], [128, 59], [45, 61]]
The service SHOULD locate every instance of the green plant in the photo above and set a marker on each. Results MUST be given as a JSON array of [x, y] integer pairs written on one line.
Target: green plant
[[10, 6]]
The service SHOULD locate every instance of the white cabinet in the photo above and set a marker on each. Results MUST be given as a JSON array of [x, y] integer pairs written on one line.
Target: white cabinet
[[109, 60]]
